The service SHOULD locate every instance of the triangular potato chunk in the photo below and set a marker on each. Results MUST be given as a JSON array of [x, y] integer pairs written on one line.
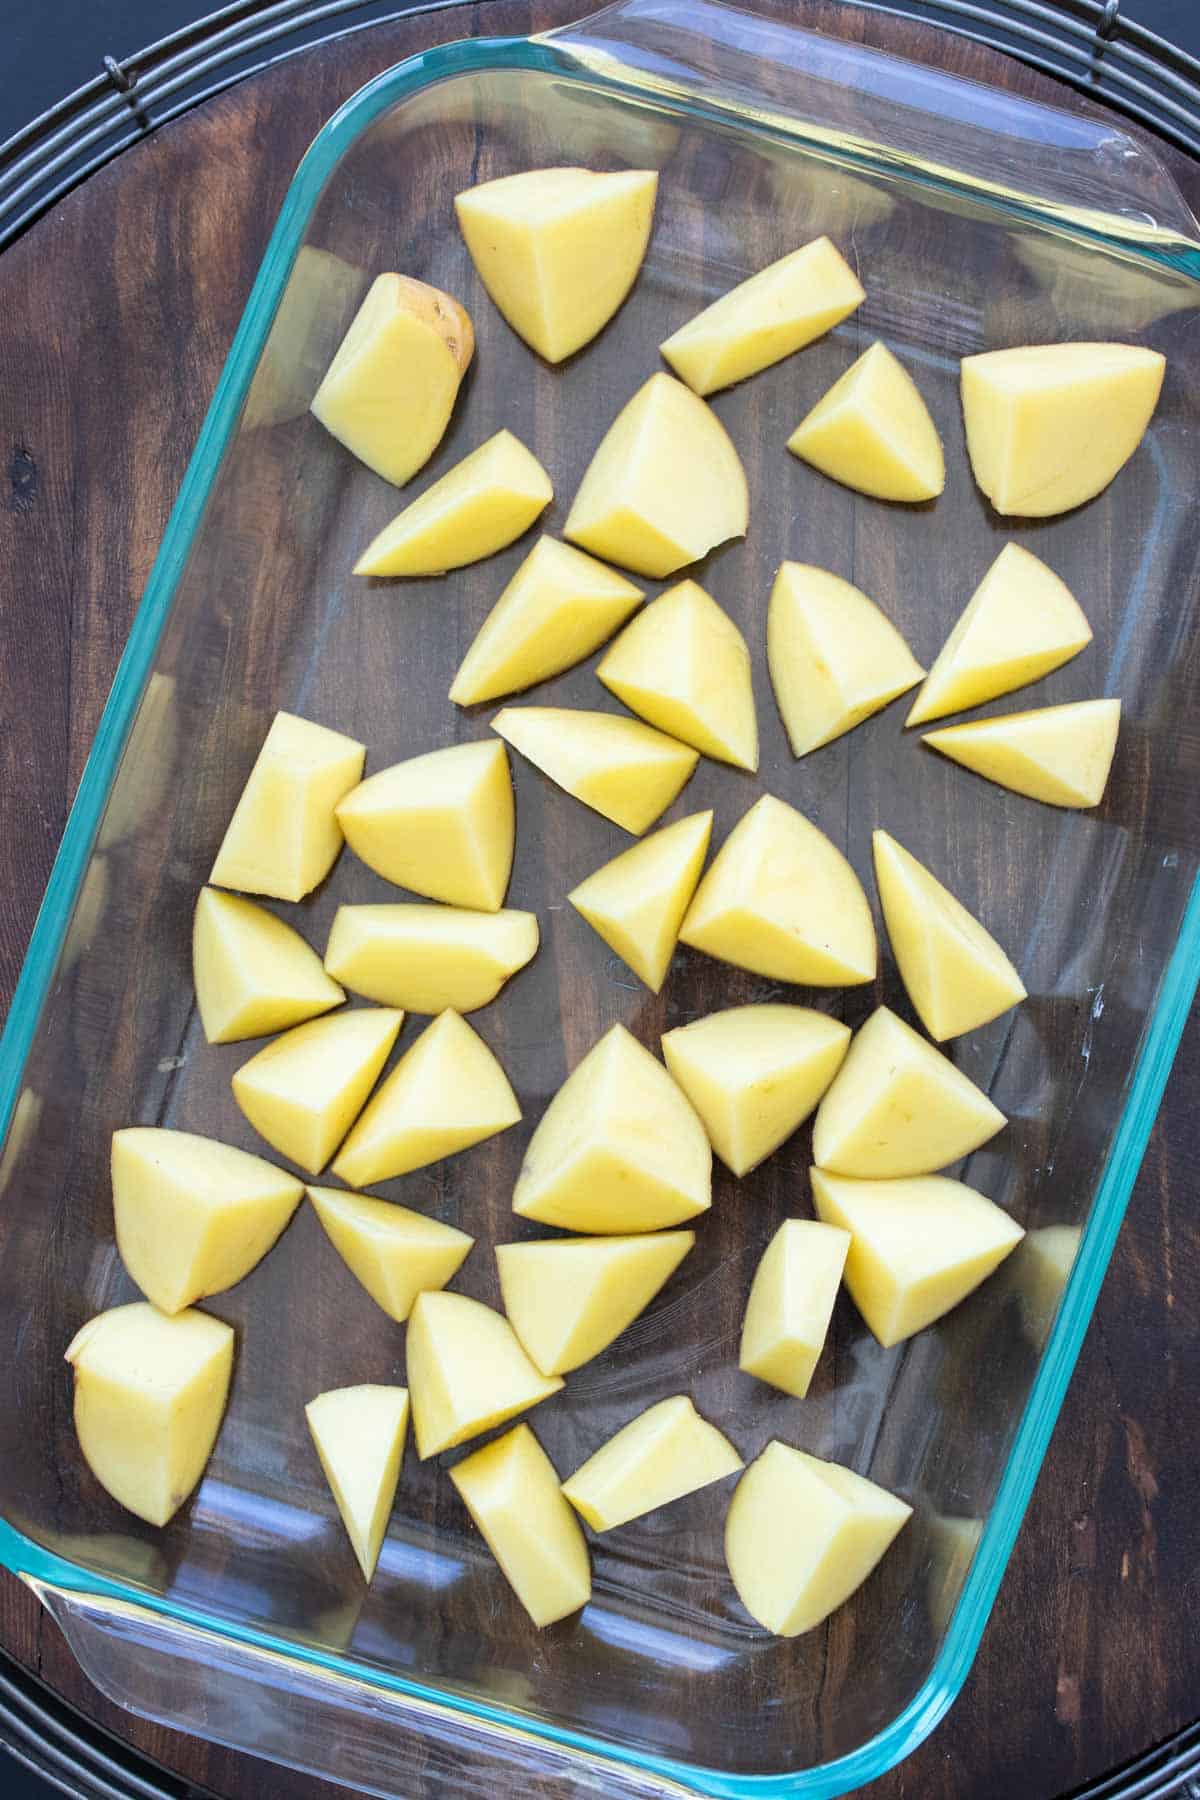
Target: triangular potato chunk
[[568, 1298], [396, 1253], [511, 1490], [637, 901], [791, 1303], [621, 768], [483, 503], [304, 1090], [254, 974], [1058, 754], [872, 431], [666, 1452], [466, 1371], [428, 958], [359, 1437]]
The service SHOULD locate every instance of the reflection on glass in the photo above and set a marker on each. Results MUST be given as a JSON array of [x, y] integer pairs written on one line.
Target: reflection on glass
[[1039, 1272]]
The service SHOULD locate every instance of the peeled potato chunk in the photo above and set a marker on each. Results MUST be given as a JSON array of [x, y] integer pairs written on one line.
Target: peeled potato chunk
[[558, 249], [899, 1107], [390, 389], [511, 1490], [872, 432], [954, 971], [618, 766], [618, 1149], [917, 1247], [801, 1535], [780, 899], [664, 486], [666, 1452], [193, 1216], [683, 665], [395, 1253], [304, 1090], [284, 836], [637, 901], [1049, 425], [466, 1371], [559, 607], [150, 1394], [483, 503], [359, 1438], [568, 1298], [442, 824], [428, 958], [1019, 624], [791, 1303], [446, 1093], [765, 318], [754, 1074], [834, 658], [253, 973], [1058, 754]]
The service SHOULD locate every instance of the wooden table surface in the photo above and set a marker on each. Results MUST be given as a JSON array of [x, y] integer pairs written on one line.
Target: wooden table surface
[[1092, 1653]]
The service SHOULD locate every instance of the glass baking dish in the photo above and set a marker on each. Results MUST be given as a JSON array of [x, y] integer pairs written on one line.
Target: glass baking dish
[[977, 220]]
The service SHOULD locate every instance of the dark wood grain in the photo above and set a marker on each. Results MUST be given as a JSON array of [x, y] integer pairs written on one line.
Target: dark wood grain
[[1091, 1653]]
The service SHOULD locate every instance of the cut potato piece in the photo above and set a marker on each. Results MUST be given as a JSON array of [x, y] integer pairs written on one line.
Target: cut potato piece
[[637, 901], [872, 432], [617, 766], [253, 973], [954, 971], [150, 1395], [559, 607], [618, 1149], [558, 249], [568, 1298], [665, 485], [781, 900], [801, 1535], [391, 387], [446, 1093], [483, 503], [304, 1090], [1049, 425], [683, 665], [466, 1371], [791, 1303], [666, 1452], [511, 1490], [899, 1107], [1019, 624], [284, 836], [917, 1247], [396, 1253], [754, 1074], [359, 1436], [1058, 754], [764, 319], [193, 1216], [428, 958], [441, 824]]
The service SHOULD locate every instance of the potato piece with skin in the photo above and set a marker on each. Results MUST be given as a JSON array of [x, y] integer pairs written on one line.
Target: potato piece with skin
[[781, 900], [253, 973], [390, 390], [754, 1074], [442, 824], [637, 901], [666, 1452], [150, 1395], [359, 1437], [791, 1303], [511, 1490], [918, 1246], [664, 487], [568, 1298], [304, 1090], [765, 318], [429, 958], [558, 249], [284, 836], [478, 507], [1050, 425], [834, 658], [621, 768], [559, 607], [193, 1216], [618, 1149], [899, 1107], [1060, 755], [683, 666], [872, 432], [395, 1253], [466, 1372], [802, 1535]]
